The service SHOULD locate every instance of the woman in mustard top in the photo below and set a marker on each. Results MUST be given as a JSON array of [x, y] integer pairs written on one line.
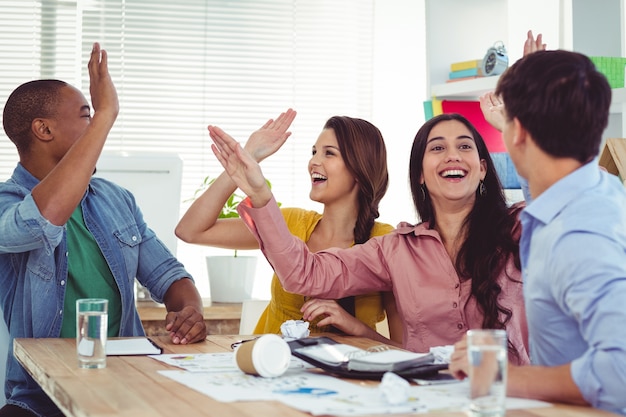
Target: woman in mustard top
[[348, 171]]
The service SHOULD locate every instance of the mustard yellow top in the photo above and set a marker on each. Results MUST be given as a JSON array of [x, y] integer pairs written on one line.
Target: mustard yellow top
[[285, 306]]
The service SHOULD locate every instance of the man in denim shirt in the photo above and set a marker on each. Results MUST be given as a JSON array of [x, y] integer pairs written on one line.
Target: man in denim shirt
[[66, 235]]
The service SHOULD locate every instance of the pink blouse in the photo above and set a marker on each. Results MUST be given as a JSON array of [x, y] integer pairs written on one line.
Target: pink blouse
[[435, 306]]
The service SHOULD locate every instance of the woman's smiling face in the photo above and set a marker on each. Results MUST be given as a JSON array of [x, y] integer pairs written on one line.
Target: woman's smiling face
[[452, 168], [330, 178]]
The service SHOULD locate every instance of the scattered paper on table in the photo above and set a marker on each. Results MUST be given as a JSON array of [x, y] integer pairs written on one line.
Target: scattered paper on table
[[213, 362], [216, 375]]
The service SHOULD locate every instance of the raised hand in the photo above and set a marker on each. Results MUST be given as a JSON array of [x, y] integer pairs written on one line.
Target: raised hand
[[240, 166], [493, 109], [103, 94], [270, 137], [533, 45]]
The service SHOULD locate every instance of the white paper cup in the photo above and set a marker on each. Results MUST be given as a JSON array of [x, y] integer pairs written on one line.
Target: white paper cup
[[268, 356]]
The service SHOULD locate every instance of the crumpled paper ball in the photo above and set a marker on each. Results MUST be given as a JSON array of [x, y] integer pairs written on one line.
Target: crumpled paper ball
[[394, 388], [295, 329]]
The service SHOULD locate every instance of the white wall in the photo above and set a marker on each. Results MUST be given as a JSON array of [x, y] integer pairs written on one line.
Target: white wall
[[399, 91]]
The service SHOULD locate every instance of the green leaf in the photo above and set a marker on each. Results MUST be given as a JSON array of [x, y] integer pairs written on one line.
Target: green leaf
[[229, 211]]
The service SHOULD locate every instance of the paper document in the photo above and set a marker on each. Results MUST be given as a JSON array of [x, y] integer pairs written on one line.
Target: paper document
[[389, 360], [133, 346], [372, 360]]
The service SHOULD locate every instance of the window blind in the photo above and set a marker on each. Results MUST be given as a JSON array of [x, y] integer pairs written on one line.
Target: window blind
[[179, 66]]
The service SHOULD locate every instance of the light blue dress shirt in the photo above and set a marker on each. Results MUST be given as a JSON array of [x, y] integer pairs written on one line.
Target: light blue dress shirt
[[33, 268], [573, 253]]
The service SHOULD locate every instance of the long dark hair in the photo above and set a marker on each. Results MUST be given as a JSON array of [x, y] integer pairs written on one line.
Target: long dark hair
[[488, 228], [363, 150]]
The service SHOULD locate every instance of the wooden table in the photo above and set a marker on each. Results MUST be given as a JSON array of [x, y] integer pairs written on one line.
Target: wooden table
[[220, 318], [131, 386]]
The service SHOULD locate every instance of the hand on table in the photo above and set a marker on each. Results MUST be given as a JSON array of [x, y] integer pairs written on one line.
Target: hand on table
[[330, 313], [459, 365], [186, 326]]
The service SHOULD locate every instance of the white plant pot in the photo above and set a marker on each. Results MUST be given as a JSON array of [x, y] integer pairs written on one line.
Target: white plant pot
[[231, 278]]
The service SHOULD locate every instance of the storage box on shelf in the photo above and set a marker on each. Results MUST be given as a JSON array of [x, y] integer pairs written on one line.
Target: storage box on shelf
[[570, 25], [612, 68]]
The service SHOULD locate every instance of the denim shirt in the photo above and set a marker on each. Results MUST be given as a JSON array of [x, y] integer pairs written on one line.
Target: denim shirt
[[33, 268]]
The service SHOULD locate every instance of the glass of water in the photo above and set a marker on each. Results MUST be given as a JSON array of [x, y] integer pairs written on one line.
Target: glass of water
[[487, 357], [91, 332]]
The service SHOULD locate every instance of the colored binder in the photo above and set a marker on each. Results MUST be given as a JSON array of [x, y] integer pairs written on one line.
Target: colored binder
[[459, 66], [465, 73], [471, 111]]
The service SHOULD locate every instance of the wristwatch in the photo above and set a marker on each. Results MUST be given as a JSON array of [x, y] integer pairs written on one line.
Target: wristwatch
[[496, 60]]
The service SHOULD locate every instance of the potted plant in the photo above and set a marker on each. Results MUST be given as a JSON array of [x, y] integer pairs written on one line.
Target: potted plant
[[231, 278]]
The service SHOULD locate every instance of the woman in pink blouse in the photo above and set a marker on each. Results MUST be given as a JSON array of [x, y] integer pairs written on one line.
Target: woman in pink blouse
[[456, 270]]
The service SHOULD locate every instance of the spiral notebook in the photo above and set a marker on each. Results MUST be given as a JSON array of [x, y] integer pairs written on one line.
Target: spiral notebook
[[350, 361]]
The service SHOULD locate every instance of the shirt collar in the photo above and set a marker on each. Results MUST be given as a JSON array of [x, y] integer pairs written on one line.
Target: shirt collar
[[23, 177], [419, 229], [561, 193]]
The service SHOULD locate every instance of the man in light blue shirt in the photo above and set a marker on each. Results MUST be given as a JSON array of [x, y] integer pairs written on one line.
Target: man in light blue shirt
[[573, 244], [66, 235]]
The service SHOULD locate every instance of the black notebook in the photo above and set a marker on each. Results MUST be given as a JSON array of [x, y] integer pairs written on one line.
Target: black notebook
[[350, 361]]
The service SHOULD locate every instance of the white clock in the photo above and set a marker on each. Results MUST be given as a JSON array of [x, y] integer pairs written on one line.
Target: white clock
[[496, 60]]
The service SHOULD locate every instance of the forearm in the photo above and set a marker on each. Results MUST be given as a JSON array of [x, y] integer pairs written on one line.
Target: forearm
[[554, 384], [260, 197], [183, 293], [58, 194], [366, 331], [202, 215]]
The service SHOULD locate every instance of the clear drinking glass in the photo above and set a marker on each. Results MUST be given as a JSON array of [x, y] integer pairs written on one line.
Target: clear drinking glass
[[487, 356], [91, 332]]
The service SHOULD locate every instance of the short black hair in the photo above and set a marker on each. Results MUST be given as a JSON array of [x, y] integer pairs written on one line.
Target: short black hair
[[27, 102], [561, 99]]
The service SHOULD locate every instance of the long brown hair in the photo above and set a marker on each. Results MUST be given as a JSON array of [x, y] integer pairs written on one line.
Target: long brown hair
[[363, 150]]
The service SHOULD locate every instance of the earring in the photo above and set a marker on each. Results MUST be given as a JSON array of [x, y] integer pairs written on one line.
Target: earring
[[423, 188], [482, 190]]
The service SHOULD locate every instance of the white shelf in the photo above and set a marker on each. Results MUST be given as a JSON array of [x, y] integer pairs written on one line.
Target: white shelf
[[472, 89], [464, 90]]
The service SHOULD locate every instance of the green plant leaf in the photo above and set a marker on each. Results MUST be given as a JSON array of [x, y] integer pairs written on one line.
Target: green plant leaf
[[229, 211]]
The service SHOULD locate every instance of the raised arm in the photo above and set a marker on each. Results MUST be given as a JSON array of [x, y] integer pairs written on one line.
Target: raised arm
[[242, 168], [60, 191], [491, 105], [200, 224]]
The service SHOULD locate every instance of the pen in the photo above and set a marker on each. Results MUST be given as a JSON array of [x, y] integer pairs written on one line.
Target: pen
[[155, 345], [239, 342]]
